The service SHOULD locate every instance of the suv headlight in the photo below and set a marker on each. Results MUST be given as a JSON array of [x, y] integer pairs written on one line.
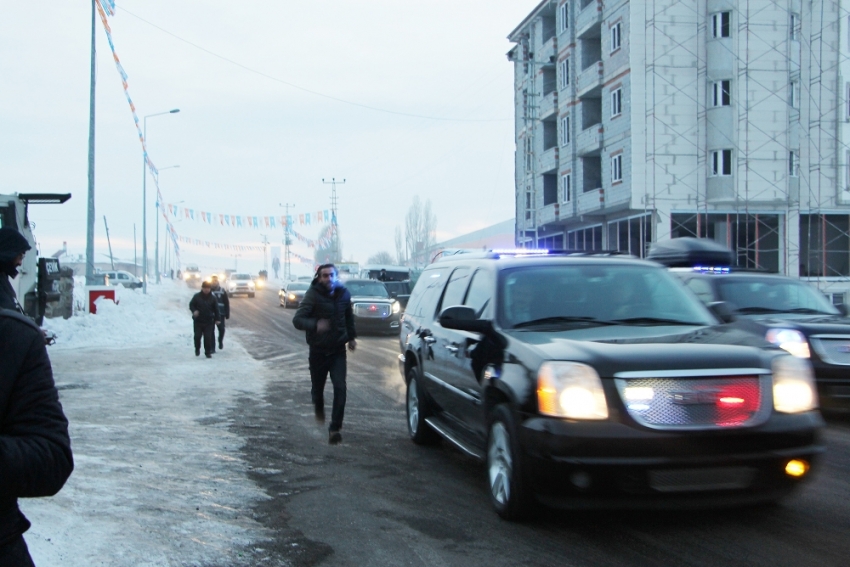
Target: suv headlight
[[793, 385], [790, 340], [396, 307], [571, 390]]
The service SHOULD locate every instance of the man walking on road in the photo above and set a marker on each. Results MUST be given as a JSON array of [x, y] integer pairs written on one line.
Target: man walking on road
[[35, 449], [326, 316], [13, 246], [204, 308], [223, 309]]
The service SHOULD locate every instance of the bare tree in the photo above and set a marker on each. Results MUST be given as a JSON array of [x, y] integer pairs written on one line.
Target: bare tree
[[401, 257], [420, 228], [382, 257]]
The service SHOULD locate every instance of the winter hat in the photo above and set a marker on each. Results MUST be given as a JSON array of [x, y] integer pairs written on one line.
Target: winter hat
[[12, 244]]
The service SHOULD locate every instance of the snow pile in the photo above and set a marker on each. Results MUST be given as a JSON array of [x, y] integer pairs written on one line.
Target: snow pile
[[161, 317]]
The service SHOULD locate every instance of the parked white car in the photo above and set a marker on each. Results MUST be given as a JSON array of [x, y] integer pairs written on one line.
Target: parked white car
[[126, 279]]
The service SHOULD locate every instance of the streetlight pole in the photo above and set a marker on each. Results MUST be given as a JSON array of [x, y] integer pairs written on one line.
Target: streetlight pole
[[145, 199], [156, 253]]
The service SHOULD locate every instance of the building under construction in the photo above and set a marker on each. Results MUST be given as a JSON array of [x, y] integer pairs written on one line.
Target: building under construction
[[639, 121]]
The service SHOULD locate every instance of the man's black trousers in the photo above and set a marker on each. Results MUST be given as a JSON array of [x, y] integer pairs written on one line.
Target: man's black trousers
[[208, 332], [322, 364], [221, 331]]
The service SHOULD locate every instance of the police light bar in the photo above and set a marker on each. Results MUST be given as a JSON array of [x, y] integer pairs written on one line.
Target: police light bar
[[711, 269], [520, 251]]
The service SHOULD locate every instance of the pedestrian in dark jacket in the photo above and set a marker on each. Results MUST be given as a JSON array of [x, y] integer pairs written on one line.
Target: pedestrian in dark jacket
[[223, 309], [204, 308], [35, 449], [326, 316], [13, 246]]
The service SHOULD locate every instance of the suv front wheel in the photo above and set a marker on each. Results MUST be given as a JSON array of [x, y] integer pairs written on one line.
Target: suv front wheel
[[508, 492]]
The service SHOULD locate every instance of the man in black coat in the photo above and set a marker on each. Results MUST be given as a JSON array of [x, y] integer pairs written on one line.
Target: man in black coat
[[13, 246], [204, 308], [223, 309], [35, 449], [325, 314]]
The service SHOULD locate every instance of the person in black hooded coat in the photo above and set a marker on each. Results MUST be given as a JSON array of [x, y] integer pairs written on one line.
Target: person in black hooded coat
[[13, 246]]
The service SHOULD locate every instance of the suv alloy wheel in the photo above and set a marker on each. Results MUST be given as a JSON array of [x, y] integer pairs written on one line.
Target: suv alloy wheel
[[417, 410], [508, 492]]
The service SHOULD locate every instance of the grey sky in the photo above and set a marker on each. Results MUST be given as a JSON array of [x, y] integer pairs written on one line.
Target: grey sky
[[245, 142]]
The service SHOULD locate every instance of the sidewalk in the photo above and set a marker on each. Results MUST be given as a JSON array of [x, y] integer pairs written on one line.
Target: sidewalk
[[158, 478]]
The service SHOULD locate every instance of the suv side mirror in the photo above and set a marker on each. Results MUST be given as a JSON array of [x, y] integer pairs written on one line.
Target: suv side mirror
[[394, 294], [842, 308], [723, 311], [463, 318]]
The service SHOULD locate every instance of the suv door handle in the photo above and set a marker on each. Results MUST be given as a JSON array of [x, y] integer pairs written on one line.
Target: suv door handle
[[451, 349]]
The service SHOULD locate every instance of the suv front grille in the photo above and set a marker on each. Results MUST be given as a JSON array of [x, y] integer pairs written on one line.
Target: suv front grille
[[704, 402], [833, 349], [378, 310]]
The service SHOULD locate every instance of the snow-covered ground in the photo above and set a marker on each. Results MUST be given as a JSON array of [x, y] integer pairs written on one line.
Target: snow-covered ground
[[158, 479]]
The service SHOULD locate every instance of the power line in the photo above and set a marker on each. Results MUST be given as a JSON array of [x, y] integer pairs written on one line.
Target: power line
[[310, 91]]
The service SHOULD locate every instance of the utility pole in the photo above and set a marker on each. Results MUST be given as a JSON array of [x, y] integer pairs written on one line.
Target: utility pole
[[265, 259], [135, 259], [90, 216], [111, 259], [334, 225], [287, 273]]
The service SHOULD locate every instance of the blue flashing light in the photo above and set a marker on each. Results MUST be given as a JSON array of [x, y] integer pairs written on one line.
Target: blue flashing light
[[520, 251], [712, 269]]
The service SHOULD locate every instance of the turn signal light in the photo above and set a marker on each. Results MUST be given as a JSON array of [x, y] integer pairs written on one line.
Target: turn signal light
[[796, 468]]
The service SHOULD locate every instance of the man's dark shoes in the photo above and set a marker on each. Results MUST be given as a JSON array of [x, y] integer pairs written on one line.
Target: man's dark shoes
[[208, 355], [320, 415], [334, 437], [220, 345], [197, 352]]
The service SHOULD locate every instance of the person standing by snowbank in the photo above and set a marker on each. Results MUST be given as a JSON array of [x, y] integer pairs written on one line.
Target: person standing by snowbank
[[35, 449], [223, 309], [204, 308], [13, 246]]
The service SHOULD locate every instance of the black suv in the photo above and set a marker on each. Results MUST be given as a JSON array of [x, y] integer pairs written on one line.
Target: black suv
[[598, 381], [785, 311]]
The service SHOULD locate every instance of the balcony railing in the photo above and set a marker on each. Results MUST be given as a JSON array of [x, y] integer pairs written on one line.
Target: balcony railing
[[590, 140], [590, 16], [548, 160], [548, 105], [589, 79]]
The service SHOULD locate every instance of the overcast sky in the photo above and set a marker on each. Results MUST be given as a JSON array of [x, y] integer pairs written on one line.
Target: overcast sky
[[248, 140]]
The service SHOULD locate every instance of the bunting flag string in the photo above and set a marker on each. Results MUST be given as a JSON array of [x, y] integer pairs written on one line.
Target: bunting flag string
[[252, 221], [219, 246], [105, 7]]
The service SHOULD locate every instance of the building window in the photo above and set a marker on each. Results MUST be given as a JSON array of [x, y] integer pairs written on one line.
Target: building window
[[721, 93], [793, 163], [616, 102], [794, 94], [566, 188], [565, 130], [721, 162], [794, 27], [616, 37], [585, 239], [824, 244], [632, 235], [847, 170], [564, 16], [617, 168], [754, 238], [528, 204], [565, 73], [721, 24]]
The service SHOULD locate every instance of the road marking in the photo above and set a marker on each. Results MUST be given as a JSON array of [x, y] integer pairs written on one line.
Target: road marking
[[283, 356]]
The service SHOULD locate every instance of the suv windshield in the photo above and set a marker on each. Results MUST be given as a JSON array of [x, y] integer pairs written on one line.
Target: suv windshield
[[369, 289], [773, 295], [240, 277], [570, 295], [298, 286]]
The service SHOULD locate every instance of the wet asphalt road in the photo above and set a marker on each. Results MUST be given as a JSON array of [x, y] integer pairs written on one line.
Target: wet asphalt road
[[379, 500]]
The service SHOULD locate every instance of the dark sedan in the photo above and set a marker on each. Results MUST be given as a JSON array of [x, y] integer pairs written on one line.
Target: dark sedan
[[374, 309], [291, 294]]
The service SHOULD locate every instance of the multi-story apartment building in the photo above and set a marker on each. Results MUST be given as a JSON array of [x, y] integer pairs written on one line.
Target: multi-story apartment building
[[642, 120]]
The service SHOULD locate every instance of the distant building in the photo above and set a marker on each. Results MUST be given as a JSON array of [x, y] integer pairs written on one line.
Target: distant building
[[642, 120], [499, 235]]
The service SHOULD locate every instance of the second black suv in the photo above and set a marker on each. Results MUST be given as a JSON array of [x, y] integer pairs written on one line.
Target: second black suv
[[599, 381]]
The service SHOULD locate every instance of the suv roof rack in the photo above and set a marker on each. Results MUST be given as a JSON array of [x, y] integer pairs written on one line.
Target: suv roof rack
[[688, 252]]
